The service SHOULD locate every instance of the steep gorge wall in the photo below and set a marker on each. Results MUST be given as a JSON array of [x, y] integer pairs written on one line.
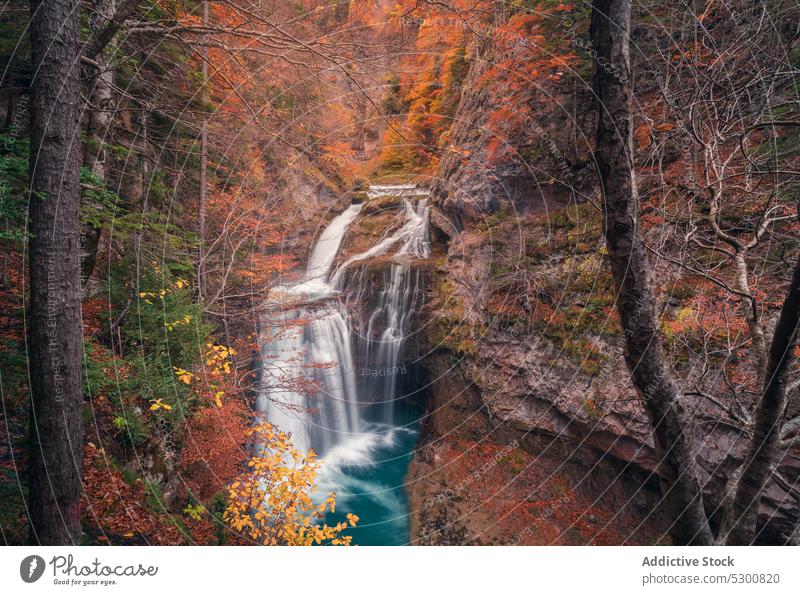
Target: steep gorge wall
[[531, 422]]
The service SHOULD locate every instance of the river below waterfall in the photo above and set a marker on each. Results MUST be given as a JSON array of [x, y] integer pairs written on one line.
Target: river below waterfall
[[368, 475], [336, 362]]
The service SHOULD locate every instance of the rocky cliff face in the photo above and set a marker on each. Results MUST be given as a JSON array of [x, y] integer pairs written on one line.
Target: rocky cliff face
[[532, 431], [569, 442], [513, 144]]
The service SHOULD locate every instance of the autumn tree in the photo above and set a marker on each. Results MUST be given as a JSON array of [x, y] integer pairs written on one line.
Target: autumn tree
[[721, 140], [610, 33], [272, 503]]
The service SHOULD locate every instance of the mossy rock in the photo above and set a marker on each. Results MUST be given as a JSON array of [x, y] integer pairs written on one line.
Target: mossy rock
[[382, 204], [361, 185], [359, 197]]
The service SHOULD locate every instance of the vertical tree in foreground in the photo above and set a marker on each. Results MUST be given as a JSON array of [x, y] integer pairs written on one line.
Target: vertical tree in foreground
[[203, 194], [54, 314], [739, 527], [610, 31], [650, 369]]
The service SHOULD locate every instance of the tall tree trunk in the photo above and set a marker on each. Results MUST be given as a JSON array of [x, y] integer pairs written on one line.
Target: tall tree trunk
[[201, 216], [610, 29], [55, 311], [761, 454]]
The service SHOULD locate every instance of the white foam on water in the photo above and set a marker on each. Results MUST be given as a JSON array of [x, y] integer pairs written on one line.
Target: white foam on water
[[339, 468]]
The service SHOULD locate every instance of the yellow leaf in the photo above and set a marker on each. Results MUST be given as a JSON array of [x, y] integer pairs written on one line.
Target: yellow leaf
[[157, 404]]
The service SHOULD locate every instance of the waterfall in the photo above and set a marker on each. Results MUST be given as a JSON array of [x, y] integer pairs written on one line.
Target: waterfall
[[413, 237], [327, 247], [311, 387], [382, 350], [307, 347]]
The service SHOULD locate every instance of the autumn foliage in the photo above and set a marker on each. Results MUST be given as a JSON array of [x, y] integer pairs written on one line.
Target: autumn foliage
[[272, 503]]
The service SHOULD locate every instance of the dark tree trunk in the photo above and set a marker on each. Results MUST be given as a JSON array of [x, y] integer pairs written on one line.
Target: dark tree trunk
[[101, 38], [55, 315], [610, 28], [201, 215], [761, 454]]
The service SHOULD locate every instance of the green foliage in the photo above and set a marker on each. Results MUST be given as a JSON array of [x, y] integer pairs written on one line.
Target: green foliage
[[195, 511], [560, 487], [101, 377], [514, 461], [130, 422], [96, 377], [164, 330], [14, 42], [393, 103], [161, 324], [98, 203], [169, 325], [157, 189]]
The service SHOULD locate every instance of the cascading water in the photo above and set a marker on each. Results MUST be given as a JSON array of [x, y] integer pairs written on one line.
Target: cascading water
[[388, 326], [330, 377], [306, 332]]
